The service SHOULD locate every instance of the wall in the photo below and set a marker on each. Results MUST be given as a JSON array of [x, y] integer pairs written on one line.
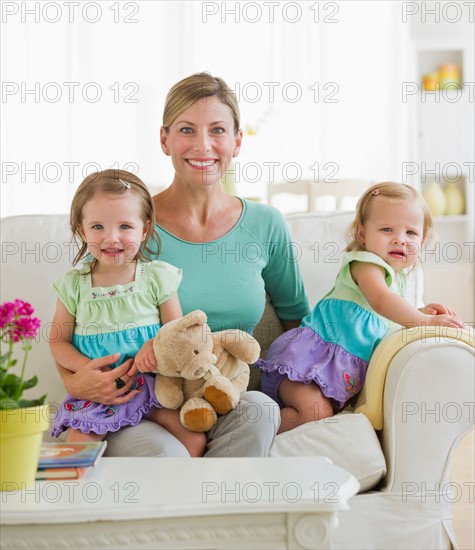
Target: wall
[[85, 88]]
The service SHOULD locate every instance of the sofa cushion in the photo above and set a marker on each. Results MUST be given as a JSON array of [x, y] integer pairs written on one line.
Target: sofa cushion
[[347, 439], [36, 249]]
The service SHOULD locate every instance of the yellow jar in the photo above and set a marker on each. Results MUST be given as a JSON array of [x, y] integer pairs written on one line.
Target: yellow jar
[[449, 76], [430, 82]]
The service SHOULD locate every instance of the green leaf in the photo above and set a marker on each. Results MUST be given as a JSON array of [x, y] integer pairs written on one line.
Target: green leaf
[[8, 403], [31, 402], [7, 364], [10, 384], [31, 383]]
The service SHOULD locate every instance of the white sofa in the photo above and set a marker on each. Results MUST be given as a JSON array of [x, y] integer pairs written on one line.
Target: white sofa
[[404, 471]]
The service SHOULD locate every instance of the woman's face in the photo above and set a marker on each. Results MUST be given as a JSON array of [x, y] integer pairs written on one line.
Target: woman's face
[[202, 142]]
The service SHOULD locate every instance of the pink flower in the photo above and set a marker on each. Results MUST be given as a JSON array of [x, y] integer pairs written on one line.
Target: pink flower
[[23, 308], [17, 323], [7, 313], [25, 328]]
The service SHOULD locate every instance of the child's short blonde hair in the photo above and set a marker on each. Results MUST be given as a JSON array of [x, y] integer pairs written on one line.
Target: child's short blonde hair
[[112, 181], [399, 191]]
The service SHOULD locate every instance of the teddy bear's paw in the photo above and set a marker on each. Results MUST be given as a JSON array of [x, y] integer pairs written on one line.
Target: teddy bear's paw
[[169, 400], [219, 399], [197, 415]]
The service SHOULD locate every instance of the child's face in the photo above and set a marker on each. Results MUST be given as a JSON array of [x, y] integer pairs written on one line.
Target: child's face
[[112, 227], [393, 231]]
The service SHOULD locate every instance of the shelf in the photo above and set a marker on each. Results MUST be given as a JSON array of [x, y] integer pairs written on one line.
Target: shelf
[[449, 93], [430, 60], [443, 150]]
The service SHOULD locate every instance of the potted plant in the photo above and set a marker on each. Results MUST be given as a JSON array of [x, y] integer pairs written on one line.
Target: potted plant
[[22, 421]]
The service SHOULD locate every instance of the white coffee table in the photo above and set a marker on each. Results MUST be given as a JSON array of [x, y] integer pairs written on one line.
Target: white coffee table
[[183, 503]]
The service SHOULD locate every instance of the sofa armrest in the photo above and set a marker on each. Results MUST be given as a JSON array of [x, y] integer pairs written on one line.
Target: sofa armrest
[[429, 404]]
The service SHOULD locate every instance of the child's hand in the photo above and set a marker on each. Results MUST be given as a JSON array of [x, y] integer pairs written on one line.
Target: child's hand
[[445, 320], [436, 309], [439, 310], [145, 359], [133, 370]]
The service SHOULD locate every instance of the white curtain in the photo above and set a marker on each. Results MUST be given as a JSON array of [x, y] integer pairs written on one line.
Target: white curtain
[[319, 85]]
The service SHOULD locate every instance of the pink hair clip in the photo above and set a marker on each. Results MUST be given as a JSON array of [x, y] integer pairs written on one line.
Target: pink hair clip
[[375, 192]]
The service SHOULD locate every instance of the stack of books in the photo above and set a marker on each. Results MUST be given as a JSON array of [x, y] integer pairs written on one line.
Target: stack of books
[[60, 460]]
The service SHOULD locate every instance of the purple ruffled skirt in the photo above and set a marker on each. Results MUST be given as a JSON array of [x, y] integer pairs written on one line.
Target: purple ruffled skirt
[[303, 356], [88, 416]]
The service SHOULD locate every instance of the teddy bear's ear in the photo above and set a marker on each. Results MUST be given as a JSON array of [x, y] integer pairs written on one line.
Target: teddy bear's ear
[[238, 343], [196, 317]]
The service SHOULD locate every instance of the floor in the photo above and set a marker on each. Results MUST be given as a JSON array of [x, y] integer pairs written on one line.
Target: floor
[[463, 474]]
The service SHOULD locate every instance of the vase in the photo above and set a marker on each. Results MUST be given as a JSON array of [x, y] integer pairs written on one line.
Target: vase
[[455, 199], [435, 199], [21, 434]]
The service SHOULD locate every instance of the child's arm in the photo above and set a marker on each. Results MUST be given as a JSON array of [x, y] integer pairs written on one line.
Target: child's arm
[[145, 358], [370, 278], [60, 339], [170, 310]]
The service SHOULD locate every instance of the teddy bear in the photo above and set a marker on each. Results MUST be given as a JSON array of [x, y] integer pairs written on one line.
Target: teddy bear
[[200, 372]]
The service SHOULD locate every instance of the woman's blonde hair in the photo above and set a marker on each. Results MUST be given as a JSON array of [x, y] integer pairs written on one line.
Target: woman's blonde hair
[[198, 86], [399, 191], [116, 182]]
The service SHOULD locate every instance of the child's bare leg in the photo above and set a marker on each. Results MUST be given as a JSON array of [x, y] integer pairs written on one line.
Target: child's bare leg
[[75, 436], [194, 442], [303, 403]]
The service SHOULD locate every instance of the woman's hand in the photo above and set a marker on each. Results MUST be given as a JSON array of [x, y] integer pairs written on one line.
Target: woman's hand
[[94, 384], [145, 359]]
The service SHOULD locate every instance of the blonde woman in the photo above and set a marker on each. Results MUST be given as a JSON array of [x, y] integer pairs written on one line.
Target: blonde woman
[[231, 251]]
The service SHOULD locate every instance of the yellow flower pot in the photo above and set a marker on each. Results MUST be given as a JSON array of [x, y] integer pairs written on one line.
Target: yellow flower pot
[[21, 434]]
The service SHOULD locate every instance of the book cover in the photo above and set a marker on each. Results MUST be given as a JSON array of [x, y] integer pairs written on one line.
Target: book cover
[[59, 473], [70, 455]]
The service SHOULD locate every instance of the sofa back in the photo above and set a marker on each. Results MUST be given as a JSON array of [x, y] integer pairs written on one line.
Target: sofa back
[[37, 249]]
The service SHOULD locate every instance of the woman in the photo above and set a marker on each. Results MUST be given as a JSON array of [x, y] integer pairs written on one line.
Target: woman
[[231, 252]]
